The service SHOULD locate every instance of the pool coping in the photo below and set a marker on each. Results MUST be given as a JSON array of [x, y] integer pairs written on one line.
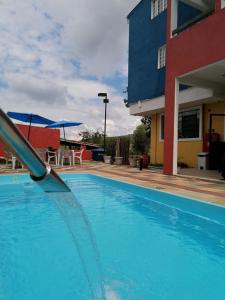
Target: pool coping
[[170, 187], [155, 189]]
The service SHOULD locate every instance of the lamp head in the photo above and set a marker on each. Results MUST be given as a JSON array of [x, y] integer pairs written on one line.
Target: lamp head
[[126, 102], [102, 95]]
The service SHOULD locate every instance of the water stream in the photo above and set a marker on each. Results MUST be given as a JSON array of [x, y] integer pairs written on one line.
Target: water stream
[[83, 238]]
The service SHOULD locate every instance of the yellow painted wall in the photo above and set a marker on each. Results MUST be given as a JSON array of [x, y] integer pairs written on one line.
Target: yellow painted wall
[[218, 122], [156, 147], [187, 150]]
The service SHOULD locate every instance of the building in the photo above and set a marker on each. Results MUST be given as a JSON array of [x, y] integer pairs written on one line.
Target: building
[[49, 138], [39, 137], [177, 76]]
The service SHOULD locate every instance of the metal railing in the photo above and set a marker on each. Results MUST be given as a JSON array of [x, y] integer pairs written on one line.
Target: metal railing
[[193, 21]]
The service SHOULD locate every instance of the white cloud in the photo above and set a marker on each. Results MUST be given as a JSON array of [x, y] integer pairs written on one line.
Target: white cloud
[[95, 32], [37, 89], [55, 55]]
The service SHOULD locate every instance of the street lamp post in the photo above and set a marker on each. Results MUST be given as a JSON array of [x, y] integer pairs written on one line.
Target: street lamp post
[[105, 100]]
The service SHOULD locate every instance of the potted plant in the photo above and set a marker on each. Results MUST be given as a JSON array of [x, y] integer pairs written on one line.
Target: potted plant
[[146, 159], [132, 157], [139, 146], [133, 160], [118, 158], [109, 150], [107, 158]]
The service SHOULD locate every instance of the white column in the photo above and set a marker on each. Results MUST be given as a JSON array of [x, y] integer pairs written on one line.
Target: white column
[[174, 14], [175, 135], [13, 162]]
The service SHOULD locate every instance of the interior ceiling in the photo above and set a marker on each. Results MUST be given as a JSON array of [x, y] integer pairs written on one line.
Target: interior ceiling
[[209, 3], [214, 73], [202, 5]]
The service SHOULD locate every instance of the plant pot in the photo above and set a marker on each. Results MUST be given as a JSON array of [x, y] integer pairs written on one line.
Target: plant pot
[[146, 160], [118, 160], [107, 159], [133, 161]]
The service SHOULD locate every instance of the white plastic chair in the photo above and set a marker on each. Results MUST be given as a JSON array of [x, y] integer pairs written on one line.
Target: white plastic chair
[[66, 155], [42, 153], [3, 159], [52, 155], [12, 159], [77, 155], [15, 162]]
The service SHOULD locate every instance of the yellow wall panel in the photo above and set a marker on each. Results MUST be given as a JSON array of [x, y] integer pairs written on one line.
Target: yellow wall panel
[[187, 150], [218, 122], [156, 147]]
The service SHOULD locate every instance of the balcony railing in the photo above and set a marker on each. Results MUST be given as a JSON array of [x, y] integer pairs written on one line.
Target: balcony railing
[[193, 21]]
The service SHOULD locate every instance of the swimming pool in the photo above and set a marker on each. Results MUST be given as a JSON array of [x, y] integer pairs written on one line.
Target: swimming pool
[[152, 245]]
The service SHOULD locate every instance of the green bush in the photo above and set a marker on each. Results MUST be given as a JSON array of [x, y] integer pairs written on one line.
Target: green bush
[[140, 141]]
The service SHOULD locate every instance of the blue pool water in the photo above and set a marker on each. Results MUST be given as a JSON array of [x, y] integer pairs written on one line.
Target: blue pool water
[[152, 245]]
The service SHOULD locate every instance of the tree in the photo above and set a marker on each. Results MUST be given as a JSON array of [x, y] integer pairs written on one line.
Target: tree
[[89, 136], [146, 121], [140, 141]]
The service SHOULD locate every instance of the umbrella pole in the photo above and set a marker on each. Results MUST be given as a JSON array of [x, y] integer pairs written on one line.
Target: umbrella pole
[[28, 137], [64, 132]]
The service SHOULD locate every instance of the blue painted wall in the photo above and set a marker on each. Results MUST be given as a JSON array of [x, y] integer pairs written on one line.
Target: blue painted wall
[[145, 80]]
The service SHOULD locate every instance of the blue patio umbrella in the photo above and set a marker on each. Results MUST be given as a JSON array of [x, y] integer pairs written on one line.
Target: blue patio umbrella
[[63, 124], [29, 118]]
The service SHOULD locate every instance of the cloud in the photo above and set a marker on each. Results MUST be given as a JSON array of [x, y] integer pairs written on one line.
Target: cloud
[[37, 89], [95, 32], [55, 56]]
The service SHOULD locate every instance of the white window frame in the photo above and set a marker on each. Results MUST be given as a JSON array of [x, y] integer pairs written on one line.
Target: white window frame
[[154, 8], [157, 7], [162, 57], [186, 139], [222, 3]]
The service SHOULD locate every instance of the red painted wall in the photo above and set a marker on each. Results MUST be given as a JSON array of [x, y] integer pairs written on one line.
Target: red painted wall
[[42, 138], [39, 137], [197, 46], [87, 155], [2, 153]]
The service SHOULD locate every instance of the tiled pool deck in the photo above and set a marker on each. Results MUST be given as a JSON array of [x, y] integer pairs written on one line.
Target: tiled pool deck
[[207, 190]]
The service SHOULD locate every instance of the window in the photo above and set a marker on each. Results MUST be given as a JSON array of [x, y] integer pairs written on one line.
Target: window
[[188, 124], [154, 11], [162, 57], [157, 6]]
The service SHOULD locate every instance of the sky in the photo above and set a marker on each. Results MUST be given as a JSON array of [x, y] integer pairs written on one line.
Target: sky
[[57, 55]]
